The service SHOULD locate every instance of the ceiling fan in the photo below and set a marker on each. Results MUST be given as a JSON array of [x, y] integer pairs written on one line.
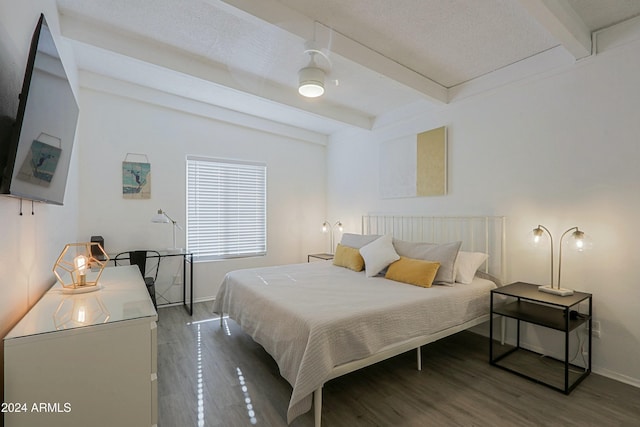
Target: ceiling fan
[[311, 79]]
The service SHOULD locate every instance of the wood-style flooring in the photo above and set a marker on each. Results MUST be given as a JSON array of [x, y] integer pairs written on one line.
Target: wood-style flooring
[[212, 376]]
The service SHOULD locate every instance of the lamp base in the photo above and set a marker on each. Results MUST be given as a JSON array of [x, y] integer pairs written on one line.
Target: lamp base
[[82, 289], [556, 291]]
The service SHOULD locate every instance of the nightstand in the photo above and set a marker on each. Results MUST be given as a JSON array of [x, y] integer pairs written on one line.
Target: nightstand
[[524, 303], [324, 257]]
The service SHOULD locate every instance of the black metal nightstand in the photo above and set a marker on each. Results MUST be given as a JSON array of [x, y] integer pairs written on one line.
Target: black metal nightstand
[[525, 303], [324, 257]]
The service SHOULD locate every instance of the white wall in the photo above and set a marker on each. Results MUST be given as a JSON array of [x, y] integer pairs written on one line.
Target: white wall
[[114, 125], [29, 244], [561, 150]]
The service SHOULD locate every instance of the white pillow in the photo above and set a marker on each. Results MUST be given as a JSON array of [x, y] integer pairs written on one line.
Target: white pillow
[[444, 253], [378, 255], [467, 264], [357, 240]]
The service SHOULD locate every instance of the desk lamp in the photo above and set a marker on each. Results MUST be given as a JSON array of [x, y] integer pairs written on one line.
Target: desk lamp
[[162, 218]]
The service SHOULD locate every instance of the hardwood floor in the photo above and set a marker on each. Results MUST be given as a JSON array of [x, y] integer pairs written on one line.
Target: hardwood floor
[[212, 376]]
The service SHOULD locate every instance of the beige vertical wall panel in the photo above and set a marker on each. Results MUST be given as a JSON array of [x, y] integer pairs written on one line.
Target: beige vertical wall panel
[[431, 176]]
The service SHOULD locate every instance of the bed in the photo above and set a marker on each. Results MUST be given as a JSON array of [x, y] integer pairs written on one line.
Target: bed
[[320, 321]]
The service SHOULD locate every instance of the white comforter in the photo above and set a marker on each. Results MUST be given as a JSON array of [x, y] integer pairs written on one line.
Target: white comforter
[[313, 317]]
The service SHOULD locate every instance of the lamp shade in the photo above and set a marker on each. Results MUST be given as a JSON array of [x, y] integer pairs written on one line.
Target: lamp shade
[[578, 241], [311, 81], [540, 236], [160, 217]]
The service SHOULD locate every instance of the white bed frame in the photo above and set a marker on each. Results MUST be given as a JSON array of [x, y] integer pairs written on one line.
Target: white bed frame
[[477, 233]]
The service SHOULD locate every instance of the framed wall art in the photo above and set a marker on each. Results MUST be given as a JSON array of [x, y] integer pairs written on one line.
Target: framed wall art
[[414, 166], [136, 178]]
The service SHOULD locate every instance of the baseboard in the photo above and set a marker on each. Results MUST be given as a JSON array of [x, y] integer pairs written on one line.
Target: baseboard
[[195, 300], [635, 382], [616, 376]]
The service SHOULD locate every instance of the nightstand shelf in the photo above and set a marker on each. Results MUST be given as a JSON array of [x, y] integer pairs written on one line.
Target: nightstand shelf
[[538, 314], [526, 304]]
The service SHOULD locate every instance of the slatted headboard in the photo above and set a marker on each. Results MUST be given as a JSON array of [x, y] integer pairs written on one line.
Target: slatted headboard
[[477, 233]]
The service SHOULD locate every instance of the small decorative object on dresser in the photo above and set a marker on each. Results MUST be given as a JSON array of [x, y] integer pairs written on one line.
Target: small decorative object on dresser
[[78, 269], [560, 313]]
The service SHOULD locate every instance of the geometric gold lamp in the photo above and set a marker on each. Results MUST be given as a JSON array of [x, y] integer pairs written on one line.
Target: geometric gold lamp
[[77, 269], [577, 241]]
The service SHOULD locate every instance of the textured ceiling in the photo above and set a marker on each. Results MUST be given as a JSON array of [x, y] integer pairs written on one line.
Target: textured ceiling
[[599, 14], [382, 54], [448, 41]]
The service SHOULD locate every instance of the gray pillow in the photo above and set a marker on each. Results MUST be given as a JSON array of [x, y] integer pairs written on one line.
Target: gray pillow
[[445, 254], [357, 240]]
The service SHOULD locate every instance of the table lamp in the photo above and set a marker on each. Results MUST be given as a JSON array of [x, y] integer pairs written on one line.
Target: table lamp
[[578, 241], [162, 218], [328, 228]]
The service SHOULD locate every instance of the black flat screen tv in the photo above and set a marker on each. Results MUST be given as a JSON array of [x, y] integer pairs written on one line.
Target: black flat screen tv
[[36, 155]]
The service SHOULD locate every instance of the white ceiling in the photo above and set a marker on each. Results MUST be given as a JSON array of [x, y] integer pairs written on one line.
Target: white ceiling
[[384, 55]]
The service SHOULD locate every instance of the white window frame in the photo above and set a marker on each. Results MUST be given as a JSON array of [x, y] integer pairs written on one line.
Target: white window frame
[[226, 208]]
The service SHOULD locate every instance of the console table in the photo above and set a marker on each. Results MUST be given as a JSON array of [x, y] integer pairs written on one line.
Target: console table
[[87, 359], [187, 258]]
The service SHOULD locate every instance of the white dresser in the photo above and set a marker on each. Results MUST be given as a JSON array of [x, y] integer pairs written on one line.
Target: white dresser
[[85, 359]]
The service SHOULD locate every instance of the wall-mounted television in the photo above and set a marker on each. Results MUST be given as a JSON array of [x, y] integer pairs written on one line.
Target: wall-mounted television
[[36, 154]]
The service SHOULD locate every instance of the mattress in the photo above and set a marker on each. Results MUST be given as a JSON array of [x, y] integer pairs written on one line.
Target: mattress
[[313, 317]]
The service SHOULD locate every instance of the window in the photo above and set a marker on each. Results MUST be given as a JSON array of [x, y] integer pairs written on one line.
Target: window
[[226, 208]]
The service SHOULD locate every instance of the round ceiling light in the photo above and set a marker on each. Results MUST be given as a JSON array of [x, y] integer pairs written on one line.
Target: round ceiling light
[[311, 81]]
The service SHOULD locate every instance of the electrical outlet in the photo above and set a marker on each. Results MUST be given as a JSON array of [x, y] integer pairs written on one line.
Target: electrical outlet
[[595, 329]]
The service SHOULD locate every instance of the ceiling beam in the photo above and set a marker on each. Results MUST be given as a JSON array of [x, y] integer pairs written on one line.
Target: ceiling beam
[[176, 102], [276, 13], [148, 51], [559, 18]]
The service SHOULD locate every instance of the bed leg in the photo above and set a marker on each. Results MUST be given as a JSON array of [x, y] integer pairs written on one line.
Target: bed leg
[[503, 329], [317, 406], [419, 354], [221, 322]]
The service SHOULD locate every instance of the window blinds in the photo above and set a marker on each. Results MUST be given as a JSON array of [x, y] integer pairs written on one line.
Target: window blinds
[[226, 208]]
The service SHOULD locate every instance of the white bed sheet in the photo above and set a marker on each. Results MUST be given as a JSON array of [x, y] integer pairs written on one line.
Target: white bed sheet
[[313, 317]]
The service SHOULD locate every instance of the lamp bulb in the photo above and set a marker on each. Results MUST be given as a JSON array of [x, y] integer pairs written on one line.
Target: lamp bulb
[[80, 263]]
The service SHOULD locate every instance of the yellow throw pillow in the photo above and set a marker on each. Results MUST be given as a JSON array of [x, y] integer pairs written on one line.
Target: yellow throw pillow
[[413, 271], [348, 257]]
